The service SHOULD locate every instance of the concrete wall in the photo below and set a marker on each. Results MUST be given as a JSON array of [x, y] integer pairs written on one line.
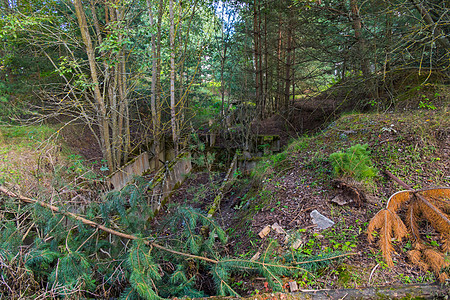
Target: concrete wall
[[144, 163], [169, 179], [125, 174]]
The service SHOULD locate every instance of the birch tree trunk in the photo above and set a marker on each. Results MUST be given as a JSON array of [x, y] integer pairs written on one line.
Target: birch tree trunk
[[109, 85]]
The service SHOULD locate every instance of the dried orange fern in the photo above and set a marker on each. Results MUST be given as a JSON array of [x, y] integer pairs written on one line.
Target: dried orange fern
[[397, 199], [388, 222], [412, 217], [435, 260], [415, 256], [429, 204], [445, 237]]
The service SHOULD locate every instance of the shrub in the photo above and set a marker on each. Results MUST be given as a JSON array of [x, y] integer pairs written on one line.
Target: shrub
[[354, 162]]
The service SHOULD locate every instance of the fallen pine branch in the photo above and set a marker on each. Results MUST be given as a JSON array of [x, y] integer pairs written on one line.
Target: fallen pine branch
[[100, 226], [425, 204]]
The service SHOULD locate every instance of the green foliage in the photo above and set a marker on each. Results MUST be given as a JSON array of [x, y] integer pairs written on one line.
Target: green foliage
[[354, 162], [196, 232], [31, 135], [144, 271], [41, 261], [76, 260], [74, 272], [271, 163], [131, 204], [299, 145]]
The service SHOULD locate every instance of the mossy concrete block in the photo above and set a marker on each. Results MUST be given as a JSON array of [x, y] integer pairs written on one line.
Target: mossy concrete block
[[125, 174]]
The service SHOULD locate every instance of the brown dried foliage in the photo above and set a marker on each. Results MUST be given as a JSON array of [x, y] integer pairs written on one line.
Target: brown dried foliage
[[432, 205], [15, 278]]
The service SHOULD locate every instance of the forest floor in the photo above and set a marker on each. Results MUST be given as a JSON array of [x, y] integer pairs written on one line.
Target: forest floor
[[287, 187], [283, 190]]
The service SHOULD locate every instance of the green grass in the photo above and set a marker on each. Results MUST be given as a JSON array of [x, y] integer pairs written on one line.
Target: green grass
[[26, 133]]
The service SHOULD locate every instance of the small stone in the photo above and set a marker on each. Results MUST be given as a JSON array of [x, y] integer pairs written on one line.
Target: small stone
[[264, 232], [293, 286], [246, 155], [297, 244], [349, 132], [278, 228], [340, 200], [256, 256], [320, 220]]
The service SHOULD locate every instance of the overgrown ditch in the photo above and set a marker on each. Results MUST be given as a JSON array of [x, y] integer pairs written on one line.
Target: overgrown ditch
[[262, 237]]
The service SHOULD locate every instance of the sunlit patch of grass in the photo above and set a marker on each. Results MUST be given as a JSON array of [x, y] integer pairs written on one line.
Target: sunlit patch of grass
[[29, 135], [28, 155]]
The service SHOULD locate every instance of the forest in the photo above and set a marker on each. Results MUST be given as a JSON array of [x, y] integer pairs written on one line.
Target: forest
[[206, 148]]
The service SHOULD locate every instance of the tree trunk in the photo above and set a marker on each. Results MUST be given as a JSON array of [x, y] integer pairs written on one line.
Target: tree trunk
[[279, 59], [361, 43], [173, 112], [412, 291], [439, 36], [260, 61], [153, 105], [256, 56], [287, 85], [102, 113]]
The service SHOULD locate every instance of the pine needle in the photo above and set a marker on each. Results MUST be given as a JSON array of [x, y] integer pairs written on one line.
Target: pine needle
[[412, 216], [434, 259], [445, 237], [388, 222], [415, 256], [429, 204], [440, 197], [399, 227], [375, 223], [439, 220], [443, 277], [397, 199]]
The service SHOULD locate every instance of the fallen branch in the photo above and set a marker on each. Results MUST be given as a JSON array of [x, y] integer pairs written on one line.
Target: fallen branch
[[422, 291], [226, 182], [396, 179], [100, 226], [133, 237]]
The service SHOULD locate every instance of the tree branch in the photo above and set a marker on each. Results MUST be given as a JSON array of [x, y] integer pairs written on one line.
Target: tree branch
[[100, 226]]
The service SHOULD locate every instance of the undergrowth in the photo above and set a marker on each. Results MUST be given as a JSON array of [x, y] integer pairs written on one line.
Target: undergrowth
[[72, 259]]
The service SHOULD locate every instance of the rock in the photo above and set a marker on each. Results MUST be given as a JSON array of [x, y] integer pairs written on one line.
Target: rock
[[278, 228], [340, 200], [293, 287], [320, 220], [297, 244], [350, 132], [256, 256], [264, 232], [246, 155]]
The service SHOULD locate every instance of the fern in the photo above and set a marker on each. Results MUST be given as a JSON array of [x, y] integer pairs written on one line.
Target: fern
[[428, 204]]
